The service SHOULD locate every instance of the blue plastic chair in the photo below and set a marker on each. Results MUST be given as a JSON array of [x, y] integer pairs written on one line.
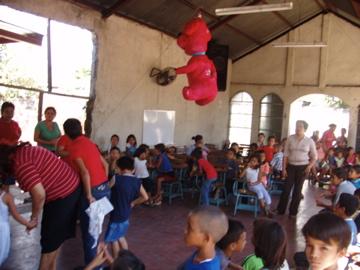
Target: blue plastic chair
[[245, 199]]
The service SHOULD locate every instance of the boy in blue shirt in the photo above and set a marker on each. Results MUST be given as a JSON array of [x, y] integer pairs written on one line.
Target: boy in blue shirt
[[207, 224], [354, 175], [125, 188], [345, 208]]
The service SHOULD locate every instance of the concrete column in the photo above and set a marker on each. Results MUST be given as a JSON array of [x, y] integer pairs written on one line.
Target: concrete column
[[324, 51], [290, 60]]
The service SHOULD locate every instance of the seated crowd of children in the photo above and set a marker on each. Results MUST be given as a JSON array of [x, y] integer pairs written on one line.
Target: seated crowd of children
[[208, 229]]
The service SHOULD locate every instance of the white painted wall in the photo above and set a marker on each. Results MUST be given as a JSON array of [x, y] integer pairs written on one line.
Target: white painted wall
[[294, 72], [126, 54]]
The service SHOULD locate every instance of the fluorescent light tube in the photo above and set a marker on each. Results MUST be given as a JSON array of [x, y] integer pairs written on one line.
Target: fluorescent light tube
[[299, 44], [253, 9]]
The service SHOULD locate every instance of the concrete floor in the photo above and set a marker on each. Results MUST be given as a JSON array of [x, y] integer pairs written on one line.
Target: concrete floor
[[155, 234]]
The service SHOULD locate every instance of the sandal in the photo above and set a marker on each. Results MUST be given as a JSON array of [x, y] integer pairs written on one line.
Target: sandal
[[157, 203]]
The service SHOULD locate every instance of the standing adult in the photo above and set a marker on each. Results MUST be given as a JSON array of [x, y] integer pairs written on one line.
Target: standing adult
[[10, 131], [47, 132], [54, 188], [296, 166], [93, 170], [328, 138], [197, 139]]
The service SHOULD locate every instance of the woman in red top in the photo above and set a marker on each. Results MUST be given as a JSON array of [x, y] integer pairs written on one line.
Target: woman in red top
[[93, 169], [211, 174], [54, 188], [328, 138]]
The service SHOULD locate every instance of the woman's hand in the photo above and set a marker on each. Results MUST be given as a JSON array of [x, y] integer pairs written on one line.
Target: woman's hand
[[31, 225], [284, 174], [91, 199], [53, 142], [307, 170]]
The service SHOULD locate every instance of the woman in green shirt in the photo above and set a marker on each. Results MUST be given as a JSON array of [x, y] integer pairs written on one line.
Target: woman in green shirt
[[47, 132]]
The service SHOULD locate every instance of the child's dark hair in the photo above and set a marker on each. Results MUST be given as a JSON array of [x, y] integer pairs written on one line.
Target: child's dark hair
[[349, 148], [271, 137], [7, 104], [173, 147], [129, 137], [349, 202], [115, 136], [125, 163], [115, 148], [7, 164], [234, 144], [236, 228], [161, 147], [139, 151], [261, 134], [332, 149], [127, 260], [357, 192], [254, 145], [197, 153], [72, 128], [340, 173], [347, 168], [269, 239], [144, 146], [257, 156], [328, 227], [356, 168], [197, 138], [232, 150]]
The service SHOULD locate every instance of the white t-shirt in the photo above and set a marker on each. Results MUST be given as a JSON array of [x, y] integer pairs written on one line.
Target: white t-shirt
[[140, 168], [252, 175]]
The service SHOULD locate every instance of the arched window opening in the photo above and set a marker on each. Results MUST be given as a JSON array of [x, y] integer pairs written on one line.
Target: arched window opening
[[241, 107], [271, 116]]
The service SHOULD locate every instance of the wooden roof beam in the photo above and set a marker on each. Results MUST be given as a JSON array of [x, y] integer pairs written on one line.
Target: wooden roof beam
[[356, 5], [32, 38], [115, 8], [220, 22]]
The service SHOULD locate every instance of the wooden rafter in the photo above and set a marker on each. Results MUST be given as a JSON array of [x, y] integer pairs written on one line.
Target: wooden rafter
[[220, 22], [319, 4], [356, 5], [331, 6], [33, 38], [115, 8]]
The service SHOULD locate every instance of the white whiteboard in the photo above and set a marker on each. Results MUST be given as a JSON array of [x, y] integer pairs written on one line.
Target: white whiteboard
[[158, 127]]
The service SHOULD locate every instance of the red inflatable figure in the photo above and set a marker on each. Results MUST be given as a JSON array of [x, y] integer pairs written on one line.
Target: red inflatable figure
[[200, 69]]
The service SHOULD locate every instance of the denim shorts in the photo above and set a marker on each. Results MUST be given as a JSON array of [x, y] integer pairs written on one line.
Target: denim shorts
[[116, 230]]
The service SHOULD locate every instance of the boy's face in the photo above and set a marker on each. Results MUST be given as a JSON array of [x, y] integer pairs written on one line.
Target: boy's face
[[339, 154], [353, 174], [114, 141], [193, 235], [271, 142], [239, 245], [321, 255], [115, 154], [230, 155], [335, 180], [331, 152], [261, 138], [339, 211]]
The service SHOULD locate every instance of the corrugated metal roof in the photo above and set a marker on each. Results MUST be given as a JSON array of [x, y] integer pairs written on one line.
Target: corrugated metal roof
[[242, 33]]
